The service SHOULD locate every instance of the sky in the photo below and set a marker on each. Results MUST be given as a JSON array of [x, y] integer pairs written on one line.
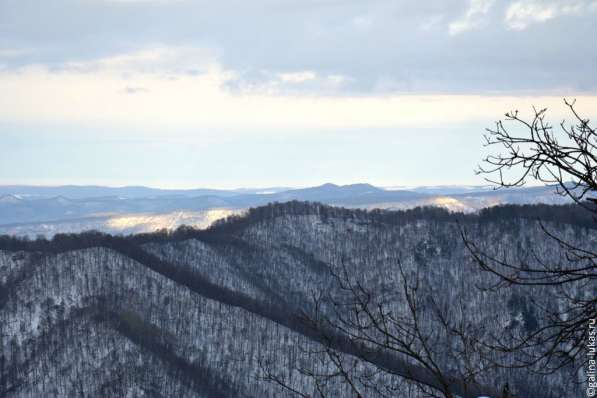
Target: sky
[[236, 93]]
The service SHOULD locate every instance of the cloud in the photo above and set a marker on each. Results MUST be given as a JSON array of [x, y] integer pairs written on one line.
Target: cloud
[[91, 94], [472, 18], [378, 47], [286, 84], [522, 14], [154, 59], [297, 77]]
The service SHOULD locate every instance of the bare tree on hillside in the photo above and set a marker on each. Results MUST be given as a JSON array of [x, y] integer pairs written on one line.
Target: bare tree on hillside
[[417, 341], [566, 157]]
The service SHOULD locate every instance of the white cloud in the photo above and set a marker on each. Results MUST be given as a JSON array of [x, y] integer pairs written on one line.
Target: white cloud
[[404, 41], [472, 18], [337, 80], [288, 84], [521, 14], [154, 59], [297, 77], [93, 95]]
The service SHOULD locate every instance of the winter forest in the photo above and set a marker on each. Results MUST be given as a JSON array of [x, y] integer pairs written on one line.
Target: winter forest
[[298, 199], [289, 299]]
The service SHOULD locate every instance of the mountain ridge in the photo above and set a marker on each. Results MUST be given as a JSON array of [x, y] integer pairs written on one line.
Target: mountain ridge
[[191, 264]]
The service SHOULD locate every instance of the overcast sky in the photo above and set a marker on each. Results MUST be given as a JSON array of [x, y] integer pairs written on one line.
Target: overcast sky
[[237, 93]]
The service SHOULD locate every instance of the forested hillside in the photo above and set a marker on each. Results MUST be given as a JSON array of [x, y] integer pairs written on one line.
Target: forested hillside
[[232, 311]]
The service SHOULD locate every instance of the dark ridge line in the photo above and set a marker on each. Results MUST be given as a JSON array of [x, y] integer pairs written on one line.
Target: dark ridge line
[[224, 230], [216, 387], [236, 263], [564, 214], [185, 276], [152, 343], [290, 320]]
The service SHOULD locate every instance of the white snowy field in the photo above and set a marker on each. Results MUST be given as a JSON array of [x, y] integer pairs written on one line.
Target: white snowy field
[[120, 224]]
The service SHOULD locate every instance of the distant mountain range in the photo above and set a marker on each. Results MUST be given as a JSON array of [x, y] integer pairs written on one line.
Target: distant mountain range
[[130, 192], [32, 210]]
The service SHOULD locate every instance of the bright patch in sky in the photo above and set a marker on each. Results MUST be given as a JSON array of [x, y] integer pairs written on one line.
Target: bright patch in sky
[[240, 93]]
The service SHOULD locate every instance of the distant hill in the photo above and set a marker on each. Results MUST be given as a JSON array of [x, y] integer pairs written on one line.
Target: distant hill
[[29, 210]]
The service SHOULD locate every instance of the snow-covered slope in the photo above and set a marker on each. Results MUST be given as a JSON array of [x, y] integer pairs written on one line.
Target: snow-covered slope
[[202, 313]]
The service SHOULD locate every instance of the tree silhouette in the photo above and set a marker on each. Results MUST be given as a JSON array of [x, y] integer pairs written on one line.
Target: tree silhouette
[[566, 157], [437, 357]]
